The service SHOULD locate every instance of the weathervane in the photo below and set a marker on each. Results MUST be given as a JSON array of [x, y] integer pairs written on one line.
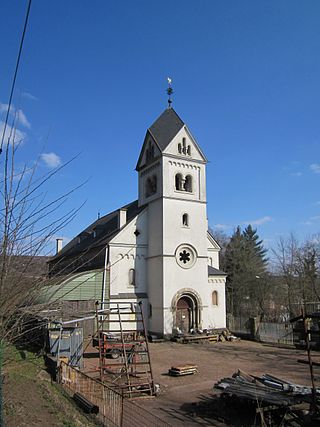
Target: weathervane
[[169, 91]]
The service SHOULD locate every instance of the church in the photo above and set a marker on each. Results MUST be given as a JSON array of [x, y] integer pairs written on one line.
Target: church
[[157, 249]]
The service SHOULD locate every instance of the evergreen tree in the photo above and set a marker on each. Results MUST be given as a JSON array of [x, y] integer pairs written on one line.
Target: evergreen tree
[[256, 261], [246, 264], [235, 268]]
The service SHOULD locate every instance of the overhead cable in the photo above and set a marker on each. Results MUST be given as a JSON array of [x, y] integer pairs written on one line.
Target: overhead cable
[[15, 75]]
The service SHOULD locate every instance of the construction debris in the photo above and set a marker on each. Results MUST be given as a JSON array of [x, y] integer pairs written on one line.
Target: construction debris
[[272, 397], [211, 336], [188, 338], [85, 404], [181, 370], [155, 339], [265, 389]]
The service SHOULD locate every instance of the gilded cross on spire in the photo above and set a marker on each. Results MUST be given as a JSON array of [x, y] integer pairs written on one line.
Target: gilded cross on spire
[[169, 91]]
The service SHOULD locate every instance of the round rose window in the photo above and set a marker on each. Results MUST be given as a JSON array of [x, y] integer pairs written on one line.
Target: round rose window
[[186, 256]]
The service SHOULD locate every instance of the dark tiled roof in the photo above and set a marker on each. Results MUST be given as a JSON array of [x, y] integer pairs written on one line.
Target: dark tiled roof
[[99, 233], [166, 127], [32, 266], [215, 272]]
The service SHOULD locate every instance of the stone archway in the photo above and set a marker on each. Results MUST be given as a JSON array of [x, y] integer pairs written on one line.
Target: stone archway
[[186, 311]]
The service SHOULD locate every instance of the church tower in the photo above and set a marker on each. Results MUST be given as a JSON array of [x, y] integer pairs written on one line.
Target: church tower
[[172, 185]]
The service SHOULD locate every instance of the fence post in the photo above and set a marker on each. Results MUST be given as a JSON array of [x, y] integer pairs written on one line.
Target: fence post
[[122, 409], [230, 322], [254, 326]]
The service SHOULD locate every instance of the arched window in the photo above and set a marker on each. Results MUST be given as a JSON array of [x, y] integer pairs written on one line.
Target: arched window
[[215, 298], [179, 182], [188, 183], [147, 187], [185, 220], [132, 277], [151, 185], [184, 146], [150, 152]]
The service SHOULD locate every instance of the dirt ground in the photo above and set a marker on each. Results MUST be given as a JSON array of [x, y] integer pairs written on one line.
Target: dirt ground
[[181, 396], [31, 399]]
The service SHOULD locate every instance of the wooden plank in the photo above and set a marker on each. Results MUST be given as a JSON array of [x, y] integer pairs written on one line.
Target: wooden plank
[[186, 366]]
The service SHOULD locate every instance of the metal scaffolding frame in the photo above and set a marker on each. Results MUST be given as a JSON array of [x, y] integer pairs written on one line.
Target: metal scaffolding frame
[[124, 359]]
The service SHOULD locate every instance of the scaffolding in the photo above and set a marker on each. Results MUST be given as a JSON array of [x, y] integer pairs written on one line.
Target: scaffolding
[[124, 359]]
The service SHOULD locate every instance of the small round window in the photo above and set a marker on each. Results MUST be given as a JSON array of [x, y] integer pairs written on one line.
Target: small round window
[[186, 256]]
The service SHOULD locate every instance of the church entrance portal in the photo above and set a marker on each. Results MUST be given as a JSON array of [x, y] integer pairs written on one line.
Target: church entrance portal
[[186, 314]]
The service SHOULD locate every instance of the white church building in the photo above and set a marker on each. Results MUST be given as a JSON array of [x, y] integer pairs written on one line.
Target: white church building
[[157, 249]]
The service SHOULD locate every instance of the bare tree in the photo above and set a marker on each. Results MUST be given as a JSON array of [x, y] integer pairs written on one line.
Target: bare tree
[[222, 239], [297, 269], [29, 218]]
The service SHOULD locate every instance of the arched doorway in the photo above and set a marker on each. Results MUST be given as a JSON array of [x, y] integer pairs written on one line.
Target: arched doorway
[[187, 313]]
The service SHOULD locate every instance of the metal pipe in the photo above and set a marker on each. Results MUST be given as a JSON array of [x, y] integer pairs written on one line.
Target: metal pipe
[[81, 319], [59, 344], [106, 262], [101, 344]]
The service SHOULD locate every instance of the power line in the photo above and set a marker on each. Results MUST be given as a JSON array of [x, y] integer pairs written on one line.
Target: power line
[[15, 74]]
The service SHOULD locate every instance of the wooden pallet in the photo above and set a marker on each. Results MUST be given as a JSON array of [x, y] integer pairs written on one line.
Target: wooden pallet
[[181, 370]]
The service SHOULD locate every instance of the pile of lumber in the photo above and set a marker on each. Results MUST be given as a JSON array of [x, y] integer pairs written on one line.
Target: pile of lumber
[[181, 370], [186, 339], [226, 335], [211, 336], [266, 389]]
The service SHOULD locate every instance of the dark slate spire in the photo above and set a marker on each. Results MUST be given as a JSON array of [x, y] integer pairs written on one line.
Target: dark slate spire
[[166, 127]]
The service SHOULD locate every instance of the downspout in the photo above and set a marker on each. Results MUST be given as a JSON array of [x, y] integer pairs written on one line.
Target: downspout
[[105, 270]]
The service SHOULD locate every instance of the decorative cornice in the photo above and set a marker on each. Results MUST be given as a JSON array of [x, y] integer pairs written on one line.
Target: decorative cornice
[[173, 156], [182, 164]]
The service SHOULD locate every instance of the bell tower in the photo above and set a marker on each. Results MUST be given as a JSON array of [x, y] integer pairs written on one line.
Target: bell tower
[[172, 184]]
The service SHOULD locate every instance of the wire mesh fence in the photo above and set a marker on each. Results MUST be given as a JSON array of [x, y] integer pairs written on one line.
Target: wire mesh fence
[[280, 333], [114, 409], [108, 400]]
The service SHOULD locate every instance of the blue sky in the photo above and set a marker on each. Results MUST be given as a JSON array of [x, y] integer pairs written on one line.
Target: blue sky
[[246, 76]]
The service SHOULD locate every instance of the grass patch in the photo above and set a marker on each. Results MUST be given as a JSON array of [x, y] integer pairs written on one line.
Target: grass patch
[[30, 395]]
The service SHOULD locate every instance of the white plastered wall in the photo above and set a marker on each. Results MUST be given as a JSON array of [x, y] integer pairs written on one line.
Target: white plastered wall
[[154, 265], [129, 251], [127, 314], [172, 148], [213, 252], [217, 313]]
